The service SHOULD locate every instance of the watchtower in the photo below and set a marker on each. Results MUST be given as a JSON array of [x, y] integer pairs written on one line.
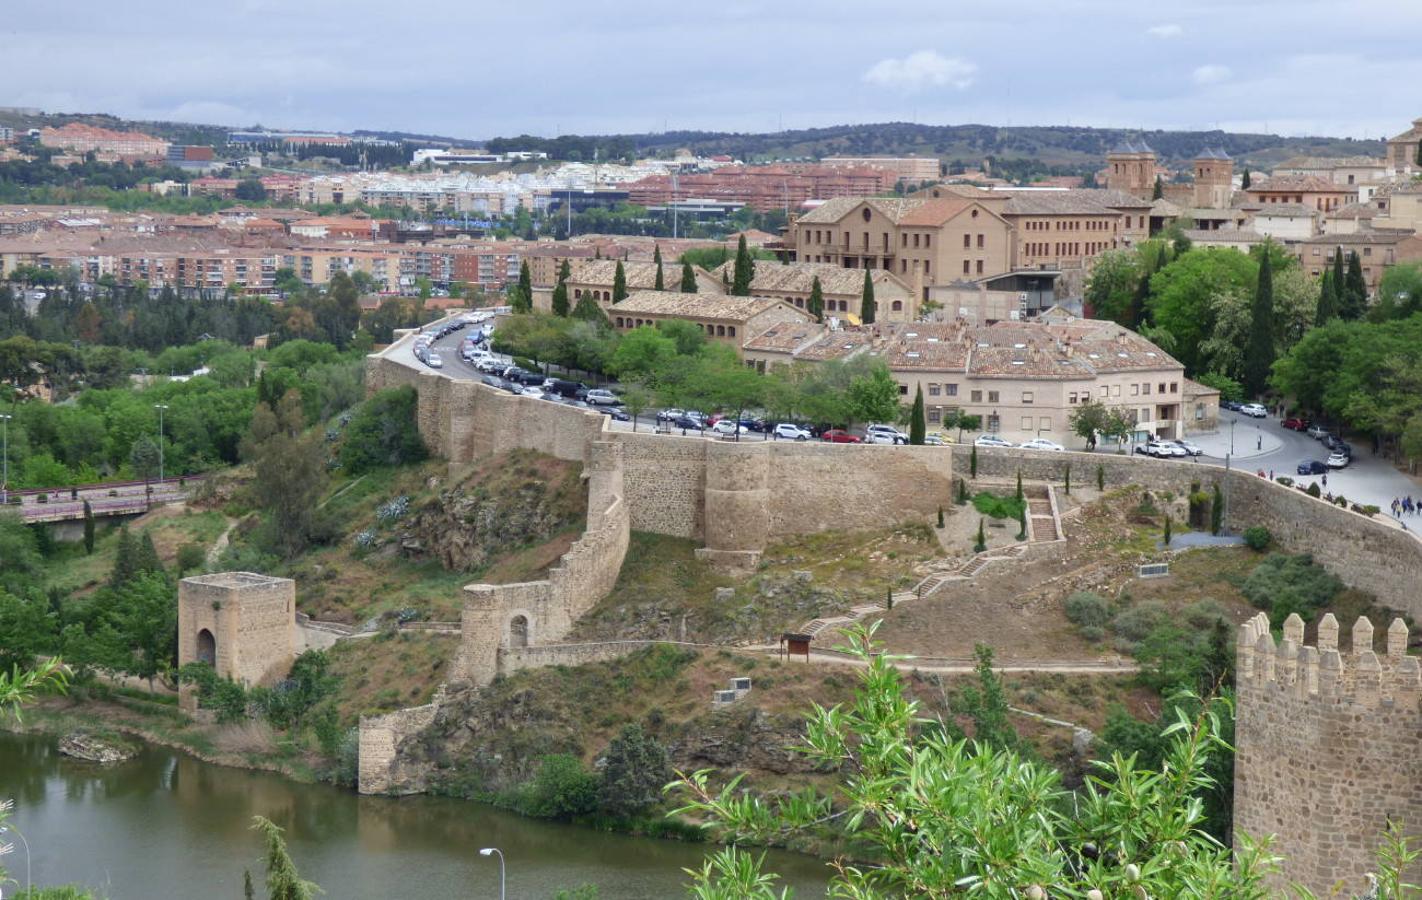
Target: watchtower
[[1326, 748], [1214, 179], [1130, 167], [241, 623]]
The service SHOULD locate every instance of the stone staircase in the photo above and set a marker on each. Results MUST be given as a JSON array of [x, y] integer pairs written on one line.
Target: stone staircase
[[1042, 513], [816, 627]]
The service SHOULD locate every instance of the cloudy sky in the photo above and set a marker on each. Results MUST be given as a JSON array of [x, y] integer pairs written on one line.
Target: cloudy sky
[[480, 68]]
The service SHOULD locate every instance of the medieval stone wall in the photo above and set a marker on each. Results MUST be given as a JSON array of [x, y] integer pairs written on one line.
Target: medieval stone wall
[[1326, 749], [378, 767], [251, 619]]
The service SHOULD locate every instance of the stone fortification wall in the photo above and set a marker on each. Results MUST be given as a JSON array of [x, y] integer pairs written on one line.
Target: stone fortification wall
[[1367, 553], [241, 622], [500, 616], [665, 477], [1326, 749], [516, 659], [378, 769]]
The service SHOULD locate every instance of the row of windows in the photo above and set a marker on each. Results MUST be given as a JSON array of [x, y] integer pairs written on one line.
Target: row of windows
[[927, 266], [1367, 251], [711, 330], [966, 268], [937, 414], [596, 295], [968, 241]]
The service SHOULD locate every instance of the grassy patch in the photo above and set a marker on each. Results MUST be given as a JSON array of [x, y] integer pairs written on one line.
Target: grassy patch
[[389, 671], [996, 506]]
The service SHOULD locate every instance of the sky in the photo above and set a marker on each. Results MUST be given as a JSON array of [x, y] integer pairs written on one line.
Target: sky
[[477, 69]]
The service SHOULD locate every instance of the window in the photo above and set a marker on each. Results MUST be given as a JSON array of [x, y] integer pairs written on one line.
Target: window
[[1044, 423], [903, 389], [1104, 391], [980, 267], [1174, 387], [928, 238], [898, 306], [1160, 388], [926, 264], [1135, 390], [935, 415], [992, 397], [1026, 423], [1145, 389], [1071, 398], [967, 241], [619, 321], [977, 396], [731, 330], [994, 424], [934, 390], [1027, 396], [1367, 251], [915, 241], [967, 267], [1115, 390], [980, 241], [952, 389]]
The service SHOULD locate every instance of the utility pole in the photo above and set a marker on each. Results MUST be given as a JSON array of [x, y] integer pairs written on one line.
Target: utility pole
[[160, 407], [673, 205], [5, 480]]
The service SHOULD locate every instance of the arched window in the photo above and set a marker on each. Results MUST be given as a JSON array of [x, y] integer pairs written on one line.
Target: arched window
[[898, 306], [720, 330], [206, 647], [518, 631], [577, 293], [731, 330]]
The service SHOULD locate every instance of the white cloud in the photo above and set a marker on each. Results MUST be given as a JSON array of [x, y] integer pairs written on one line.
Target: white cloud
[[922, 69], [1211, 74], [1168, 30]]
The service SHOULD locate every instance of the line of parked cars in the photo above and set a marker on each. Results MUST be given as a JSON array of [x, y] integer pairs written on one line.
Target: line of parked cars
[[1340, 452], [1253, 410], [997, 440], [1164, 449]]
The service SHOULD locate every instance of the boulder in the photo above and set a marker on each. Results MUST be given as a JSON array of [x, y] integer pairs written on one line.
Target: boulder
[[96, 749]]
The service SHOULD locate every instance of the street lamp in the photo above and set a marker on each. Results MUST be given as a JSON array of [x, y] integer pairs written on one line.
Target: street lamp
[[5, 478], [10, 829], [490, 851], [160, 407], [1231, 435]]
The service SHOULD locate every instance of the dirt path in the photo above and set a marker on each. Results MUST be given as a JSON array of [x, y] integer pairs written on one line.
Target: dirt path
[[220, 544], [927, 664]]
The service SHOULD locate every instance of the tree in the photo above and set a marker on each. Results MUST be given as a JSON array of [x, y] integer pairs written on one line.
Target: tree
[[290, 470], [560, 291], [816, 304], [284, 882], [88, 528], [1259, 351], [1112, 285], [588, 310], [688, 279], [866, 302], [383, 432], [250, 190], [872, 396], [1184, 296], [1399, 292], [191, 558], [1355, 290], [642, 352], [27, 629], [1089, 420], [1327, 299], [619, 283], [143, 457], [125, 558], [660, 284], [521, 296], [1244, 181], [943, 812], [918, 428], [634, 770], [744, 270], [1158, 192]]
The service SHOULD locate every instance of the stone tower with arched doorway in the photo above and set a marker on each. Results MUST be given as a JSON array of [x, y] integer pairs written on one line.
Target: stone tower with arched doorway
[[241, 623]]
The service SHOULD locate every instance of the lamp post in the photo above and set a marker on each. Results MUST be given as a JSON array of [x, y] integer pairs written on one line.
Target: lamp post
[[10, 829], [160, 407], [1231, 435], [5, 477], [490, 851]]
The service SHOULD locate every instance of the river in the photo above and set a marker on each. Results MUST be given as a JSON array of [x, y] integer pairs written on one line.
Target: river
[[166, 826]]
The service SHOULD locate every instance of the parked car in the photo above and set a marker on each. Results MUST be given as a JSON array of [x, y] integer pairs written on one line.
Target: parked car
[[435, 361], [687, 422], [893, 435], [494, 381], [1230, 405], [992, 440], [617, 413], [670, 415], [534, 392], [934, 440], [600, 397], [1160, 449], [1338, 445], [1256, 410], [1317, 432], [1190, 449], [563, 387], [532, 379], [726, 427], [788, 432], [1339, 460], [1041, 444], [1295, 424], [840, 436], [1312, 467]]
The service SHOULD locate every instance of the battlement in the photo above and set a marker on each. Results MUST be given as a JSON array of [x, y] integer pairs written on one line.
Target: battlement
[[1360, 676]]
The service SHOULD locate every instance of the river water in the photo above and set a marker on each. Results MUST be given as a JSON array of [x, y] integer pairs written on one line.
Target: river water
[[165, 826]]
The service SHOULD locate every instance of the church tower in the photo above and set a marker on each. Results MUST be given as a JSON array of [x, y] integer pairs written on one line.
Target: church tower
[[1130, 167], [1214, 180]]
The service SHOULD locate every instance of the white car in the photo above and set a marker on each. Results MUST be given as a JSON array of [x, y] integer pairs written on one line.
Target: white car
[[600, 397], [933, 440], [534, 392], [1189, 448], [788, 432], [728, 427], [1254, 409], [435, 361], [1042, 444], [992, 440], [1161, 449], [884, 434], [1338, 460]]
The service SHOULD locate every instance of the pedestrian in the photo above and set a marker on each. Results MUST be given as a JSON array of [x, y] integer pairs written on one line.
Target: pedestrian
[[1271, 474], [1325, 479], [1259, 445]]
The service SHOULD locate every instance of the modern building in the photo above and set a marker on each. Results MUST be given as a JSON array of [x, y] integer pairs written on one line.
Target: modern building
[[912, 169]]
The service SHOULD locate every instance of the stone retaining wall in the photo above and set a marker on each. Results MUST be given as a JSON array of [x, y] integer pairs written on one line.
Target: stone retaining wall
[[378, 768]]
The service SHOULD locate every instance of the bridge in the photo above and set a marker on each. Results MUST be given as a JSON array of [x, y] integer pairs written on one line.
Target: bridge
[[117, 498]]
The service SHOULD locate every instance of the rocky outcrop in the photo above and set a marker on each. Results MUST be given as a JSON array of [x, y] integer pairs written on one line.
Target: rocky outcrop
[[96, 749], [516, 500], [742, 738]]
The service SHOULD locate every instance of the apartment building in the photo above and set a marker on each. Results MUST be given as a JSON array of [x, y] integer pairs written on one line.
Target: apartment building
[[1310, 190], [905, 168], [1064, 230], [1377, 251], [80, 138], [763, 188], [1343, 170], [1402, 151]]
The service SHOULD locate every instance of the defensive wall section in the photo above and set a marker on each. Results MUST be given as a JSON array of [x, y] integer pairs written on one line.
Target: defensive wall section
[[1326, 749], [241, 623]]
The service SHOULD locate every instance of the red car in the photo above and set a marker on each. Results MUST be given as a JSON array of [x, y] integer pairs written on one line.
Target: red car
[[1295, 424], [840, 436]]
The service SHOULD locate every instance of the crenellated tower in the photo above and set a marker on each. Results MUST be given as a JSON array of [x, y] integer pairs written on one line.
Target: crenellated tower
[[1326, 747]]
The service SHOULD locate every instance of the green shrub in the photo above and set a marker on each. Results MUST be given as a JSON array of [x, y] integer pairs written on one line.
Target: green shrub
[[973, 462], [1367, 509], [962, 492], [940, 517], [1100, 478], [1285, 480], [1166, 535], [1088, 609], [383, 432], [1135, 622], [1284, 584], [1258, 538], [1314, 490], [981, 543], [1093, 633], [634, 770], [562, 789], [995, 507]]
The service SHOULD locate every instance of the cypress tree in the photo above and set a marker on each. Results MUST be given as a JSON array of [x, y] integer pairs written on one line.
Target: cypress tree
[[1019, 484], [918, 429], [125, 563], [88, 528], [1244, 182], [560, 291], [1159, 192], [1327, 300], [962, 492], [866, 305], [973, 461], [657, 258], [816, 303], [688, 279], [981, 543], [1419, 155], [940, 517], [1355, 289], [1217, 510], [1339, 280], [1167, 530], [1068, 480], [1100, 478], [1022, 524], [145, 560], [525, 285], [1259, 350], [744, 270], [619, 283], [589, 311]]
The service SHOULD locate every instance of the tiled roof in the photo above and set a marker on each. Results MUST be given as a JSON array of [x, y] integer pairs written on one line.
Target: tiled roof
[[1212, 153], [831, 211], [696, 306], [640, 275], [1363, 237], [1332, 162], [1354, 211], [1061, 203], [1224, 236], [1130, 146], [836, 345], [1311, 183], [1286, 209], [786, 337], [774, 278]]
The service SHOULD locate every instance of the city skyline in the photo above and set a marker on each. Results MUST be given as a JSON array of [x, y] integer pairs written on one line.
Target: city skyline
[[550, 69]]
